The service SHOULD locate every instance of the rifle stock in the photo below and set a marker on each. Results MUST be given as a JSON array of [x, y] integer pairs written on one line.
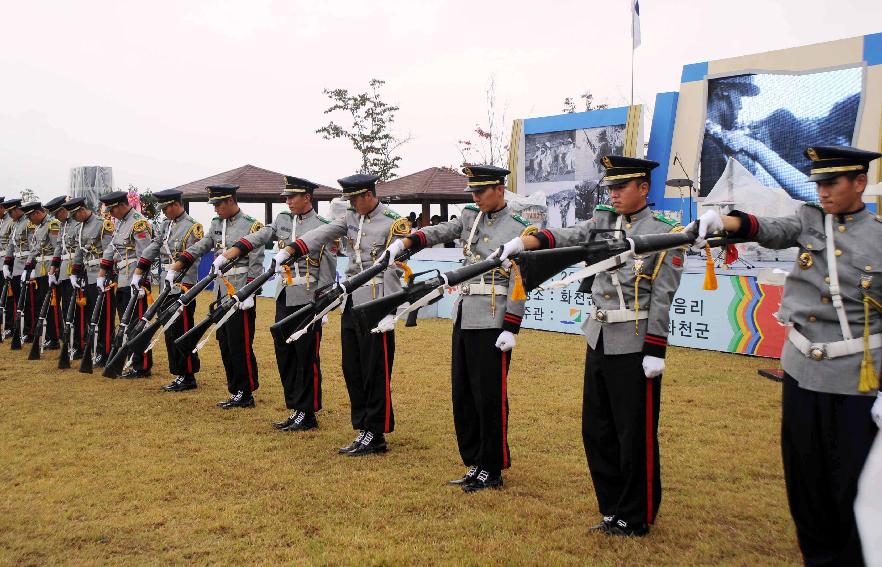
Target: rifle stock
[[117, 356], [40, 330], [68, 336]]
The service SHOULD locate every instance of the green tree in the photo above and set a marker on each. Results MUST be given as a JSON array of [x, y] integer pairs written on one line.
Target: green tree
[[28, 195], [371, 131]]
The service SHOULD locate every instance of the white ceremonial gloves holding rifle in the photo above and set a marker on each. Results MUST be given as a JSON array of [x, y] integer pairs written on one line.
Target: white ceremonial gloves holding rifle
[[101, 281], [506, 341], [385, 325], [708, 223], [876, 411], [394, 249], [280, 258], [6, 272], [136, 284], [220, 262], [512, 248]]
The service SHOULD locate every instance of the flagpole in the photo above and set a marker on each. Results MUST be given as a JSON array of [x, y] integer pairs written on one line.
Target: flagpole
[[632, 54]]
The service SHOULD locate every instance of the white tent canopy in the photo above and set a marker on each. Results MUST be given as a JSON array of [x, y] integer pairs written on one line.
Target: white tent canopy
[[739, 189]]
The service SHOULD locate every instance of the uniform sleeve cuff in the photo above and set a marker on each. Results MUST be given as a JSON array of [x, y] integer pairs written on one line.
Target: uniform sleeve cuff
[[106, 264], [56, 261], [749, 225], [300, 248], [511, 323], [144, 264], [546, 239], [186, 259], [8, 260], [654, 345], [244, 246], [417, 240]]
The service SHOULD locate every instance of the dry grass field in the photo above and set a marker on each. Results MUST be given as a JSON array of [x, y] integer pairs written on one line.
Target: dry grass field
[[115, 472]]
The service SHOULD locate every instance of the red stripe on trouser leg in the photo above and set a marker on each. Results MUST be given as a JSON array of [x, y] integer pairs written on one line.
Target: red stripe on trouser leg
[[248, 349], [189, 356], [388, 385], [504, 411], [82, 326], [315, 372], [108, 318], [650, 451]]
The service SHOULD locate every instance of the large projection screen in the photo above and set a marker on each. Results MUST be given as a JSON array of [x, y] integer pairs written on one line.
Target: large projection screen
[[764, 109]]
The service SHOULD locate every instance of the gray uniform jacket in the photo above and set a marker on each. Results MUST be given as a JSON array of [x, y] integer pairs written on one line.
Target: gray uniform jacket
[[65, 248], [93, 236], [42, 246], [19, 246], [312, 271], [485, 302], [807, 304], [223, 234], [366, 237], [659, 276], [132, 235], [172, 238], [6, 223]]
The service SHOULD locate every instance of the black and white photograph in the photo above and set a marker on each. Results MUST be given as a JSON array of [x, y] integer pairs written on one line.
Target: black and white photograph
[[551, 156], [765, 121]]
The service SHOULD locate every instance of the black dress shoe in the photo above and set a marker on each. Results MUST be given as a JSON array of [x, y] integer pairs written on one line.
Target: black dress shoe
[[303, 422], [50, 344], [355, 443], [180, 384], [482, 481], [281, 425], [470, 474], [603, 525], [238, 400], [624, 529], [133, 374], [370, 443]]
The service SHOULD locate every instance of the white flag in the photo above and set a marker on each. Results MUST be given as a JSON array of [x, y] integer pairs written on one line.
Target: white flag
[[635, 23]]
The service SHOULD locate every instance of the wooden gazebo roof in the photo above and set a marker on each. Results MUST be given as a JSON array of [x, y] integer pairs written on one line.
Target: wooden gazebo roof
[[256, 185], [433, 185]]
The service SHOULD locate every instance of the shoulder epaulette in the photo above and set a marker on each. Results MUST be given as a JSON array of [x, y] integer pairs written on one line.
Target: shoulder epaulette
[[664, 219], [256, 225], [140, 225], [107, 226], [391, 214], [249, 218], [606, 208], [54, 224], [323, 219], [472, 208], [814, 204], [521, 220]]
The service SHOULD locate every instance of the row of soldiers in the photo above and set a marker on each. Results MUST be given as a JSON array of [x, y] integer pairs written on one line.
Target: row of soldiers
[[830, 388]]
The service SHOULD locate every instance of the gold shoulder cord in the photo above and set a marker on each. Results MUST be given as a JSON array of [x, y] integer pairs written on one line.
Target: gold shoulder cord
[[400, 228], [869, 380], [638, 277]]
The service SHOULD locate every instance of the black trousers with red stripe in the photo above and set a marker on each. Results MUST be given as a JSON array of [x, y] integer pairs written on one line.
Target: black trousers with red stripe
[[236, 341], [367, 369], [299, 364], [105, 323], [10, 301], [479, 376], [141, 361], [181, 363], [64, 291], [31, 311], [620, 408], [53, 324], [825, 440]]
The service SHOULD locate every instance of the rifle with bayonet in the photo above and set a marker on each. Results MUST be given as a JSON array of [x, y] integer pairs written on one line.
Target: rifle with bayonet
[[418, 294], [19, 321], [4, 299], [64, 357], [40, 329], [143, 341], [116, 359], [87, 364], [135, 329], [220, 311], [327, 299]]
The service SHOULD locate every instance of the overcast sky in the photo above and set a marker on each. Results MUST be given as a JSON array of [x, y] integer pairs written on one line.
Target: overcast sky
[[169, 92]]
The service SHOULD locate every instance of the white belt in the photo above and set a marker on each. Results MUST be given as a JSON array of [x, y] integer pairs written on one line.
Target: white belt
[[66, 256], [483, 289], [299, 280], [124, 263], [617, 315], [166, 267], [821, 351], [236, 271], [95, 262], [22, 254]]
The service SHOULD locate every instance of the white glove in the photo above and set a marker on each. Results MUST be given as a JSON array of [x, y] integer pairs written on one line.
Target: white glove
[[170, 276], [512, 247], [141, 292], [324, 320], [24, 276], [136, 279], [53, 280], [876, 411], [653, 366], [396, 248], [506, 341], [100, 281], [75, 281], [385, 325], [6, 272], [280, 258], [709, 222], [247, 304], [220, 262]]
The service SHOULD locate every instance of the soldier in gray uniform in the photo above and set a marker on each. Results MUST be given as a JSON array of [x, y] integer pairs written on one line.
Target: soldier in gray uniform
[[299, 364], [831, 305], [17, 252], [94, 234], [178, 231], [62, 265], [132, 235], [7, 222], [486, 319], [39, 264], [627, 334], [369, 227], [236, 337]]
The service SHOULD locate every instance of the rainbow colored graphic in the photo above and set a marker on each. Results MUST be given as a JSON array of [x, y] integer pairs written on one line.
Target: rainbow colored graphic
[[751, 312]]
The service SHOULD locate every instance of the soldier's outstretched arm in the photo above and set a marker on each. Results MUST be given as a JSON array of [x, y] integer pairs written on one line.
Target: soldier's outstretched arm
[[317, 237]]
